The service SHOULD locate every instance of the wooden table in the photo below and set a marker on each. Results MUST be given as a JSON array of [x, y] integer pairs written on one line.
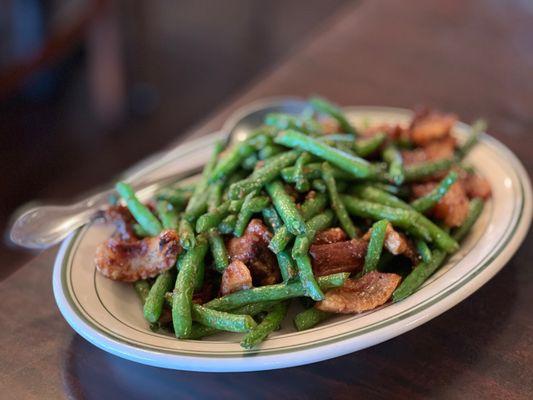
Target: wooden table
[[474, 57]]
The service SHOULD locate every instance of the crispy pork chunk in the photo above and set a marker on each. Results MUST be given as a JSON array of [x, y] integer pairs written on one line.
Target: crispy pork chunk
[[476, 186], [331, 235], [452, 209], [235, 277], [359, 295], [122, 219], [131, 260], [394, 132], [252, 249], [346, 256], [329, 125], [431, 127], [438, 150]]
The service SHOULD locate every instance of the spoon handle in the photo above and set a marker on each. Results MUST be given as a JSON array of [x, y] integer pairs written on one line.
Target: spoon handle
[[43, 226]]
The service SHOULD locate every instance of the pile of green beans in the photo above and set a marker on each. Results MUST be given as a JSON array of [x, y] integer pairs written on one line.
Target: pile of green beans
[[298, 177]]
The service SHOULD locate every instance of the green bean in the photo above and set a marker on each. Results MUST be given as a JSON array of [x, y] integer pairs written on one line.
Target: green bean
[[345, 138], [319, 185], [235, 205], [324, 106], [317, 223], [425, 269], [280, 291], [142, 288], [302, 184], [426, 169], [439, 236], [354, 165], [231, 161], [184, 287], [336, 203], [375, 245], [177, 197], [286, 208], [250, 206], [286, 266], [270, 323], [376, 195], [431, 199], [213, 218], [198, 203], [140, 212], [421, 227], [186, 234], [394, 159], [477, 127], [305, 272], [300, 252], [309, 209], [168, 216], [199, 330], [309, 318], [474, 211], [285, 121], [263, 175], [418, 276], [199, 276], [214, 198], [312, 171], [423, 250], [222, 320], [399, 191], [250, 162], [285, 263], [270, 151], [153, 305], [218, 250], [227, 225], [313, 205], [271, 217], [396, 216], [139, 231], [365, 147]]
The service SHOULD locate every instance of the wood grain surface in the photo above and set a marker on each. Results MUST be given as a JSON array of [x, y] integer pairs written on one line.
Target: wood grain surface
[[471, 57]]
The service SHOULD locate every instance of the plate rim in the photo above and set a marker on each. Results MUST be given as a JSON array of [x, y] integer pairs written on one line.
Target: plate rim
[[255, 362]]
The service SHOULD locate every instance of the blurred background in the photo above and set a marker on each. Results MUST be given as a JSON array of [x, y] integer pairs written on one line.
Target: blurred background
[[89, 87]]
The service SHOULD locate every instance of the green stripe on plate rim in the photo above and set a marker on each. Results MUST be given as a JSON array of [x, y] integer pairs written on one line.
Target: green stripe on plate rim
[[482, 265]]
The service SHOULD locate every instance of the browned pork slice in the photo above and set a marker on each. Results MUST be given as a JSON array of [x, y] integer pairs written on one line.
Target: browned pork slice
[[358, 295], [122, 219], [235, 277], [329, 125], [452, 209], [331, 235], [394, 132], [346, 256], [252, 249], [430, 127], [438, 150], [476, 186], [131, 260]]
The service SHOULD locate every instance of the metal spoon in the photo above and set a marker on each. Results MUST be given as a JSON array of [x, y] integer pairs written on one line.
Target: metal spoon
[[45, 225]]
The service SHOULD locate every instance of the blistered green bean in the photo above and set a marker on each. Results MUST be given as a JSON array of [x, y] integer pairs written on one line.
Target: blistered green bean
[[375, 245], [336, 203], [280, 291], [140, 212], [270, 323]]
